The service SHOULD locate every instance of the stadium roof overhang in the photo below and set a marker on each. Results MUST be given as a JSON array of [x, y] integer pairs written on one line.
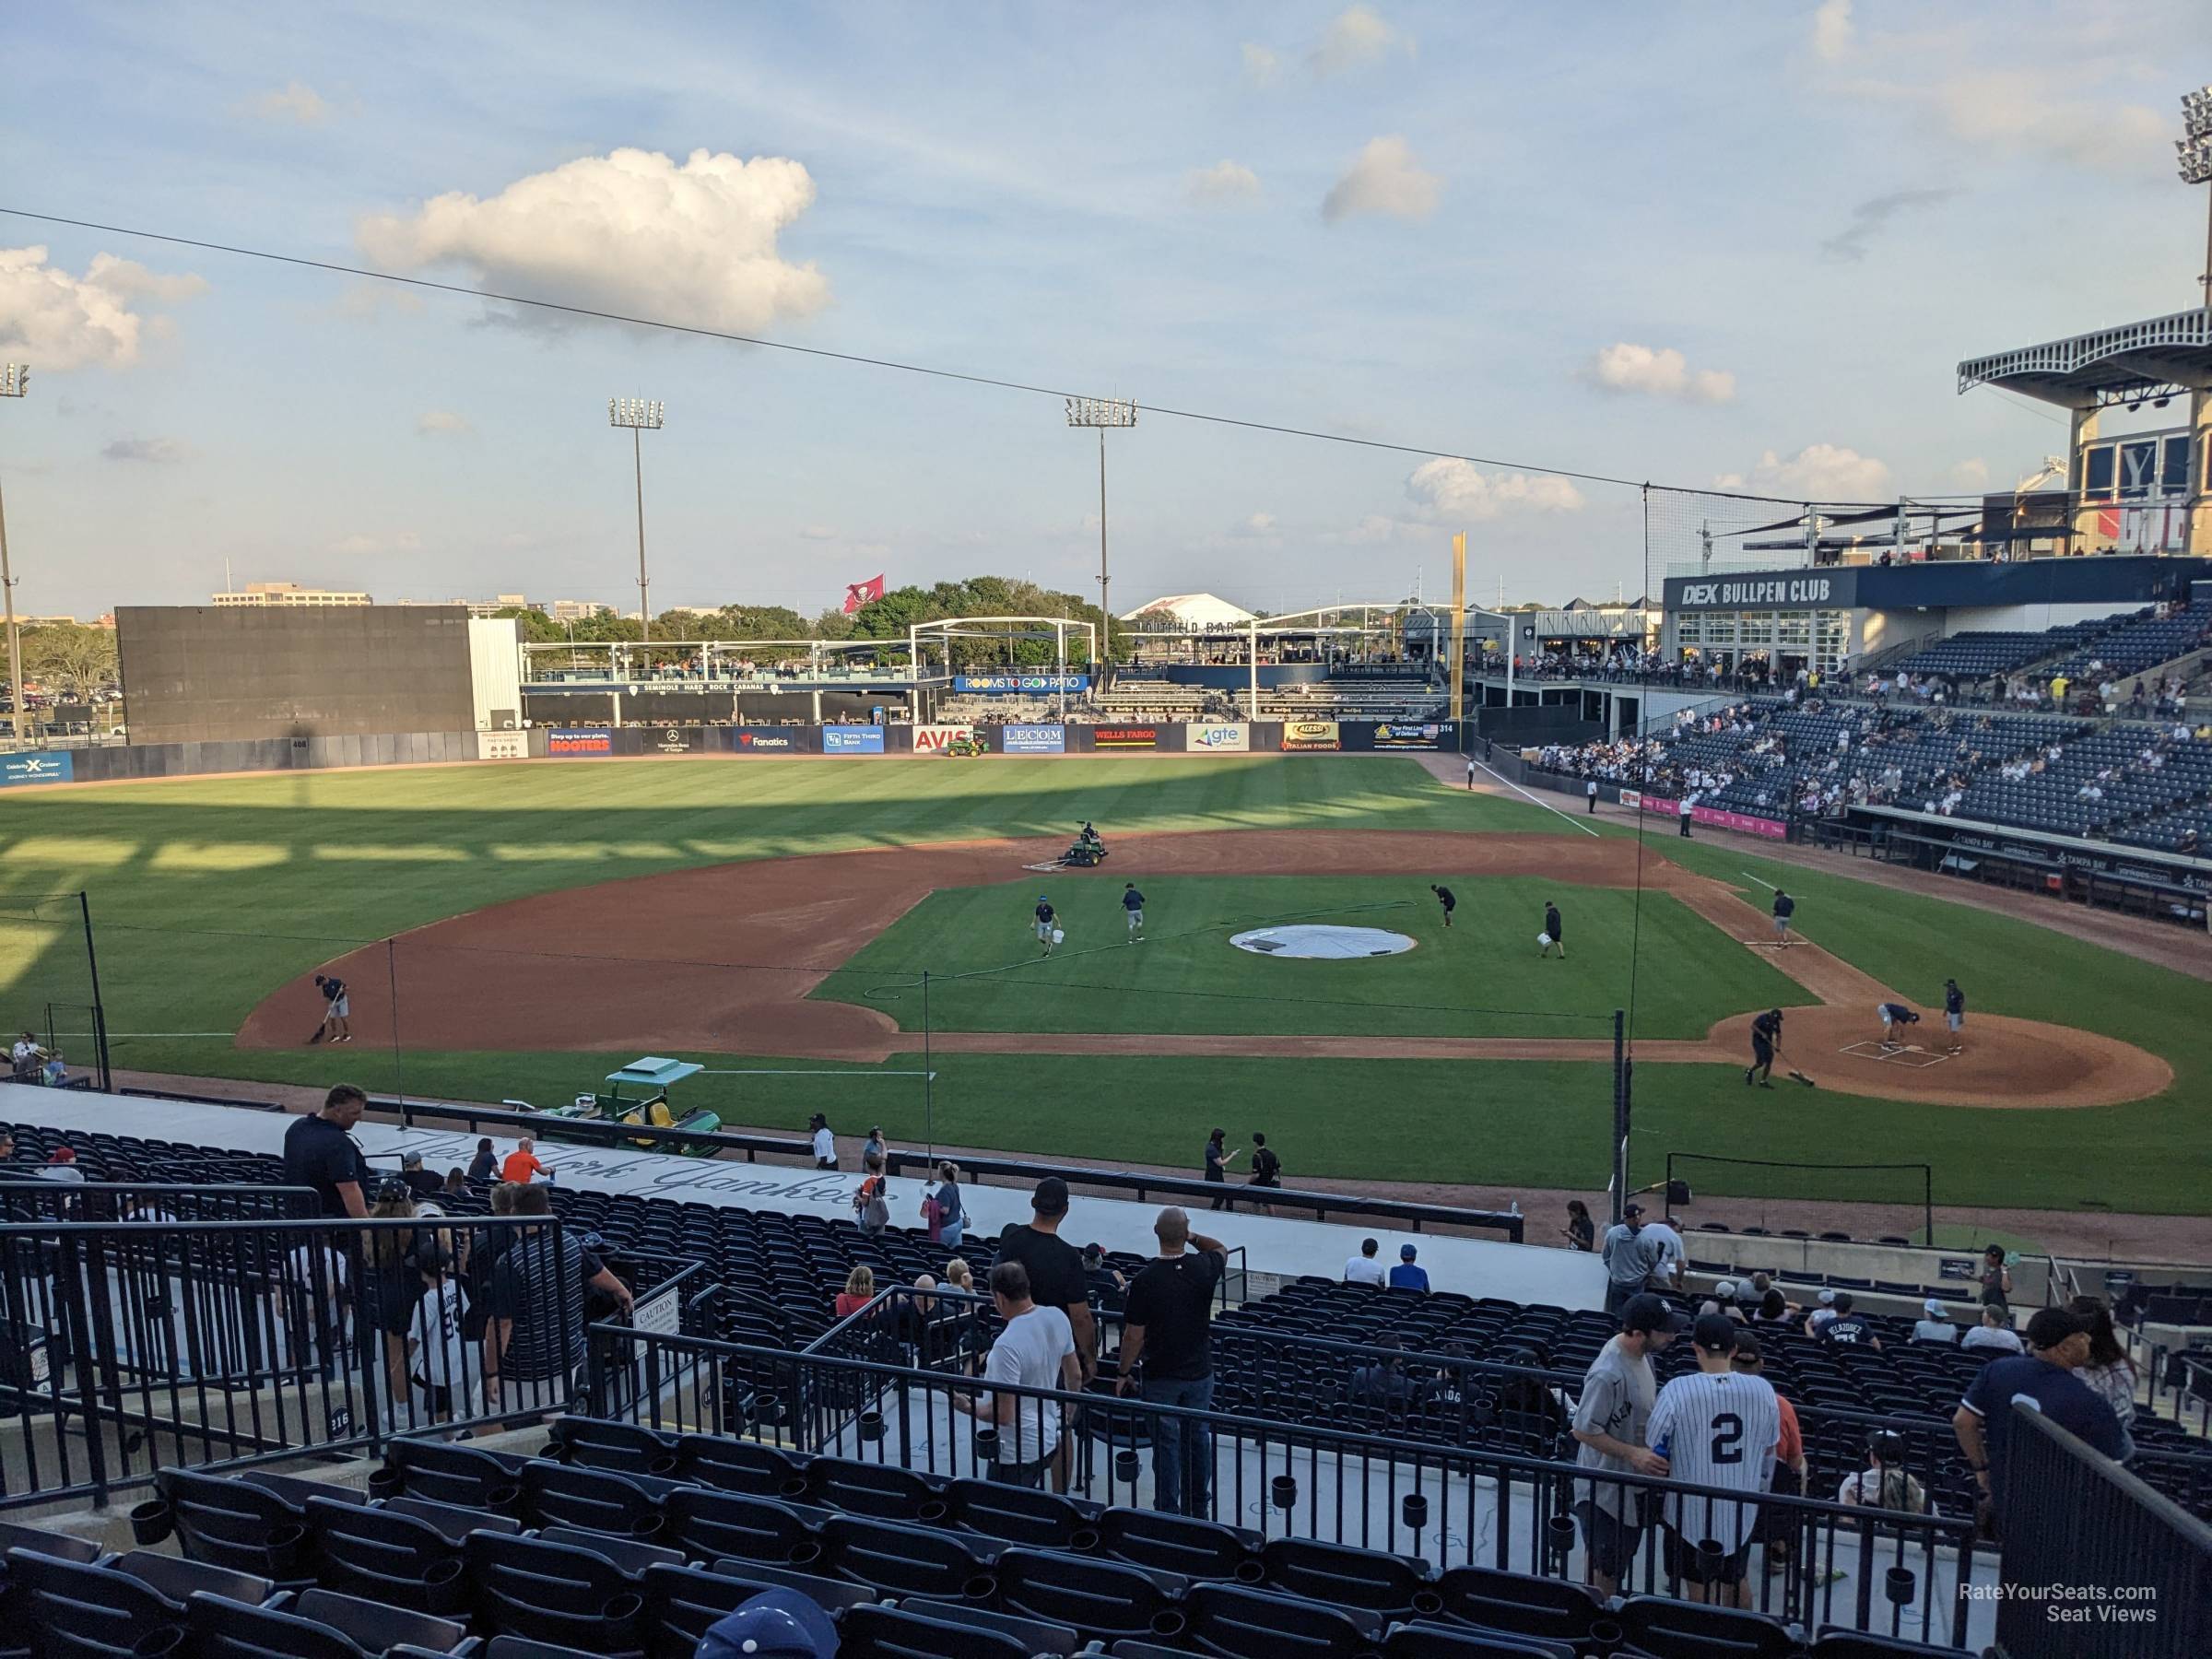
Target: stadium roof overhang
[[2135, 363]]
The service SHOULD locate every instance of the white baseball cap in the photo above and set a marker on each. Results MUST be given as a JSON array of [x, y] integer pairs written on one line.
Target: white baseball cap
[[1828, 1299], [1934, 1306]]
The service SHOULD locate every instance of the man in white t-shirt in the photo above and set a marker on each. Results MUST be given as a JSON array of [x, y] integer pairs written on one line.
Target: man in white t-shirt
[[825, 1143], [1937, 1326], [444, 1365], [1036, 1350], [1994, 1332], [1366, 1268]]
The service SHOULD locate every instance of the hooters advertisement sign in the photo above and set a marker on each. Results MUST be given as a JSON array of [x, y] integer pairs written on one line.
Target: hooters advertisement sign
[[937, 739]]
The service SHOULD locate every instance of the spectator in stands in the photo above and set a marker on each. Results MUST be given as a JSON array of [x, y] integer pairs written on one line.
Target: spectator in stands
[[1935, 1324], [859, 1291], [24, 1059], [1382, 1381], [1774, 1526], [1847, 1329], [1751, 1293], [1627, 1266], [1994, 1332], [61, 1166], [1527, 1409], [1716, 1426], [1610, 1419], [959, 1277], [1036, 1348], [1723, 1301], [942, 1210], [1105, 1282], [455, 1185], [2058, 1343], [443, 1370], [1885, 1482], [871, 1198], [534, 1335], [1052, 1268], [1996, 1278], [825, 1143], [394, 1282], [1816, 1320], [1366, 1268], [8, 1149], [1580, 1231], [876, 1144], [319, 1152], [1408, 1274], [2108, 1371], [1217, 1162], [521, 1165], [485, 1163], [1267, 1168], [1168, 1325], [420, 1180]]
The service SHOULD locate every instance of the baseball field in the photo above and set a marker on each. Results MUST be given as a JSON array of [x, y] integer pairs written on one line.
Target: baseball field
[[804, 928]]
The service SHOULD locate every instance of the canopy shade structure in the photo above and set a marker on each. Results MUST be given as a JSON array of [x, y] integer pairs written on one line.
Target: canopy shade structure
[[1189, 610], [2134, 363], [653, 1072]]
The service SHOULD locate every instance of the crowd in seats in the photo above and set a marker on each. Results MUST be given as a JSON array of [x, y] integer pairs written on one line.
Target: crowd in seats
[[2142, 642], [1981, 654], [620, 1542]]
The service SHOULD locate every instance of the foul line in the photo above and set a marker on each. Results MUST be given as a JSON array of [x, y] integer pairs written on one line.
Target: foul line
[[755, 1071], [1755, 881], [1547, 806]]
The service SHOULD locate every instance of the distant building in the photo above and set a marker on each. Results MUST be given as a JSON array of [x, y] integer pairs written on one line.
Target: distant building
[[50, 622], [579, 610], [265, 595], [480, 608]]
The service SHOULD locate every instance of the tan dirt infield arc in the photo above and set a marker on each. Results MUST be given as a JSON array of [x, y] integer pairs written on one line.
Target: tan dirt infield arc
[[643, 965]]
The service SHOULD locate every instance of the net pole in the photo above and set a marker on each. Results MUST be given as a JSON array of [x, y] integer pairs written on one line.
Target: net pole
[[929, 1099], [1927, 1202], [1620, 1114], [100, 1024]]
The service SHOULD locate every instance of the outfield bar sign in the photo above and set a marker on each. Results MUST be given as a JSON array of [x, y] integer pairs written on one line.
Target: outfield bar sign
[[1125, 736], [580, 740], [937, 739], [1033, 739], [1218, 739], [853, 740], [1311, 734], [48, 766], [1003, 683], [750, 740]]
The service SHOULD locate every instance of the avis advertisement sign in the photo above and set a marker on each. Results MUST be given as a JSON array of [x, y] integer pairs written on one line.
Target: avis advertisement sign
[[580, 740], [751, 741], [1311, 734], [1125, 736], [937, 739], [1220, 739], [48, 766], [1033, 739], [852, 740]]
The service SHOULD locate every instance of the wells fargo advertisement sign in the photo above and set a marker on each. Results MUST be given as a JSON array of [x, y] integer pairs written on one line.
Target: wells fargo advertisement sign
[[1311, 734], [1125, 736]]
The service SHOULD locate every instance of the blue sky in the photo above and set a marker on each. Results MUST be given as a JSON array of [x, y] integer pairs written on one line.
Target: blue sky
[[1682, 244]]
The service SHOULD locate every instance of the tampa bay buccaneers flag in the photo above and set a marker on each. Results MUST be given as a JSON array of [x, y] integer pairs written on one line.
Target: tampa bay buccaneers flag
[[862, 593]]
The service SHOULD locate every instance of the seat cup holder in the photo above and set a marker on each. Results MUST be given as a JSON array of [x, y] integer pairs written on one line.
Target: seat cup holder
[[1558, 1538], [1427, 1603], [982, 1587], [152, 1523], [1168, 1622], [157, 1642], [1413, 1508], [1127, 1466], [1898, 1584], [285, 1540], [1606, 1635], [623, 1609], [1282, 1492], [649, 1526], [932, 1512], [665, 1466], [386, 1482], [805, 1553], [503, 1499], [1083, 1540], [791, 1485], [1251, 1571], [871, 1425]]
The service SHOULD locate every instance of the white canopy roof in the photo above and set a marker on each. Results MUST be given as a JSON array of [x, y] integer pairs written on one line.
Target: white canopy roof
[[1189, 610]]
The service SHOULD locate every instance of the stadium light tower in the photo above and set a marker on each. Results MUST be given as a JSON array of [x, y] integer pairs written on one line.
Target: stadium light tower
[[14, 380], [641, 415], [1101, 413], [2193, 149]]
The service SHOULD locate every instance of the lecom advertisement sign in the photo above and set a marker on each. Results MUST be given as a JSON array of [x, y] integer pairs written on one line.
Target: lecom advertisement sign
[[937, 739], [1220, 739], [1126, 736], [1311, 734], [1033, 739]]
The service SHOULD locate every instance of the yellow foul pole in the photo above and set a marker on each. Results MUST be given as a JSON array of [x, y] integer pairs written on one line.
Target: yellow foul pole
[[1457, 665]]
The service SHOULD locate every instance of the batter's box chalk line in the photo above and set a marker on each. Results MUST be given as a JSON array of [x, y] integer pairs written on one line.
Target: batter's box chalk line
[[1909, 1053]]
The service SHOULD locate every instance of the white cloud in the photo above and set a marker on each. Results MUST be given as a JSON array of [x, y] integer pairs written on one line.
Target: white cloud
[[1356, 37], [633, 231], [1224, 184], [1450, 489], [60, 321], [1660, 372], [433, 422], [816, 533], [1832, 28], [1262, 67], [2023, 112], [1970, 474], [1819, 472], [298, 104], [1383, 178], [1261, 524], [162, 452], [361, 545]]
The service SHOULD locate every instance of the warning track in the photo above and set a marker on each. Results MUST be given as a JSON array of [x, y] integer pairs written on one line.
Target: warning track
[[652, 963]]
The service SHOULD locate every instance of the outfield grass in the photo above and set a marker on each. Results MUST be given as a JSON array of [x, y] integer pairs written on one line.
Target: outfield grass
[[1479, 978], [209, 893]]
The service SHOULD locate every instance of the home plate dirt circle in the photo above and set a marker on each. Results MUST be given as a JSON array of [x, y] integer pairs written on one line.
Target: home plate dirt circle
[[721, 959]]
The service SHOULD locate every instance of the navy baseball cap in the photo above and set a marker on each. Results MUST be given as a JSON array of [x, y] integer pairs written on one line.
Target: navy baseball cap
[[1406, 1252], [1715, 1333], [775, 1624], [1655, 1314], [1050, 1196]]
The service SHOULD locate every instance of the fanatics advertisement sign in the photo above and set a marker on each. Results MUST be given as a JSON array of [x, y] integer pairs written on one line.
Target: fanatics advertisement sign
[[752, 740]]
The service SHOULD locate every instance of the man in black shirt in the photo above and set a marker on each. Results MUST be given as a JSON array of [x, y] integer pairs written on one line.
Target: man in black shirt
[[1954, 1014], [420, 1182], [319, 1152], [1554, 937], [1446, 897], [1056, 1267], [1784, 908], [1168, 1324], [1848, 1329], [1765, 1035], [534, 1339]]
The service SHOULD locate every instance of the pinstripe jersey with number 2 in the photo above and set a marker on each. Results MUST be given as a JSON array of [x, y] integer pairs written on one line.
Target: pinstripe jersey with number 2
[[1718, 1430]]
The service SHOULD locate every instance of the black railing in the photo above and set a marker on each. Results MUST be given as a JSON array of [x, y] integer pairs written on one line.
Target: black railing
[[1445, 1506], [37, 1200], [2096, 1565]]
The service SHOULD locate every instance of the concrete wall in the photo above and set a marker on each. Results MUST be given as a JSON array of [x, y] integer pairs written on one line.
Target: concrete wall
[[495, 672], [209, 674]]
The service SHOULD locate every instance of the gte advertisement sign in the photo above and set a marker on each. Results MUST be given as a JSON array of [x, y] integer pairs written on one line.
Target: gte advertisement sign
[[575, 740], [1125, 736], [937, 739], [1311, 734], [1220, 739]]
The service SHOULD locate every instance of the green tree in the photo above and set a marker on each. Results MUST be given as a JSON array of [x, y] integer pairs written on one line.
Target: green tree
[[70, 658]]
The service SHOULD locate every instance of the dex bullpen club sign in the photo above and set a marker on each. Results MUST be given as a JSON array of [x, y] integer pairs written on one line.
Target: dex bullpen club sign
[[579, 740], [1311, 734], [1837, 590], [1125, 737]]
